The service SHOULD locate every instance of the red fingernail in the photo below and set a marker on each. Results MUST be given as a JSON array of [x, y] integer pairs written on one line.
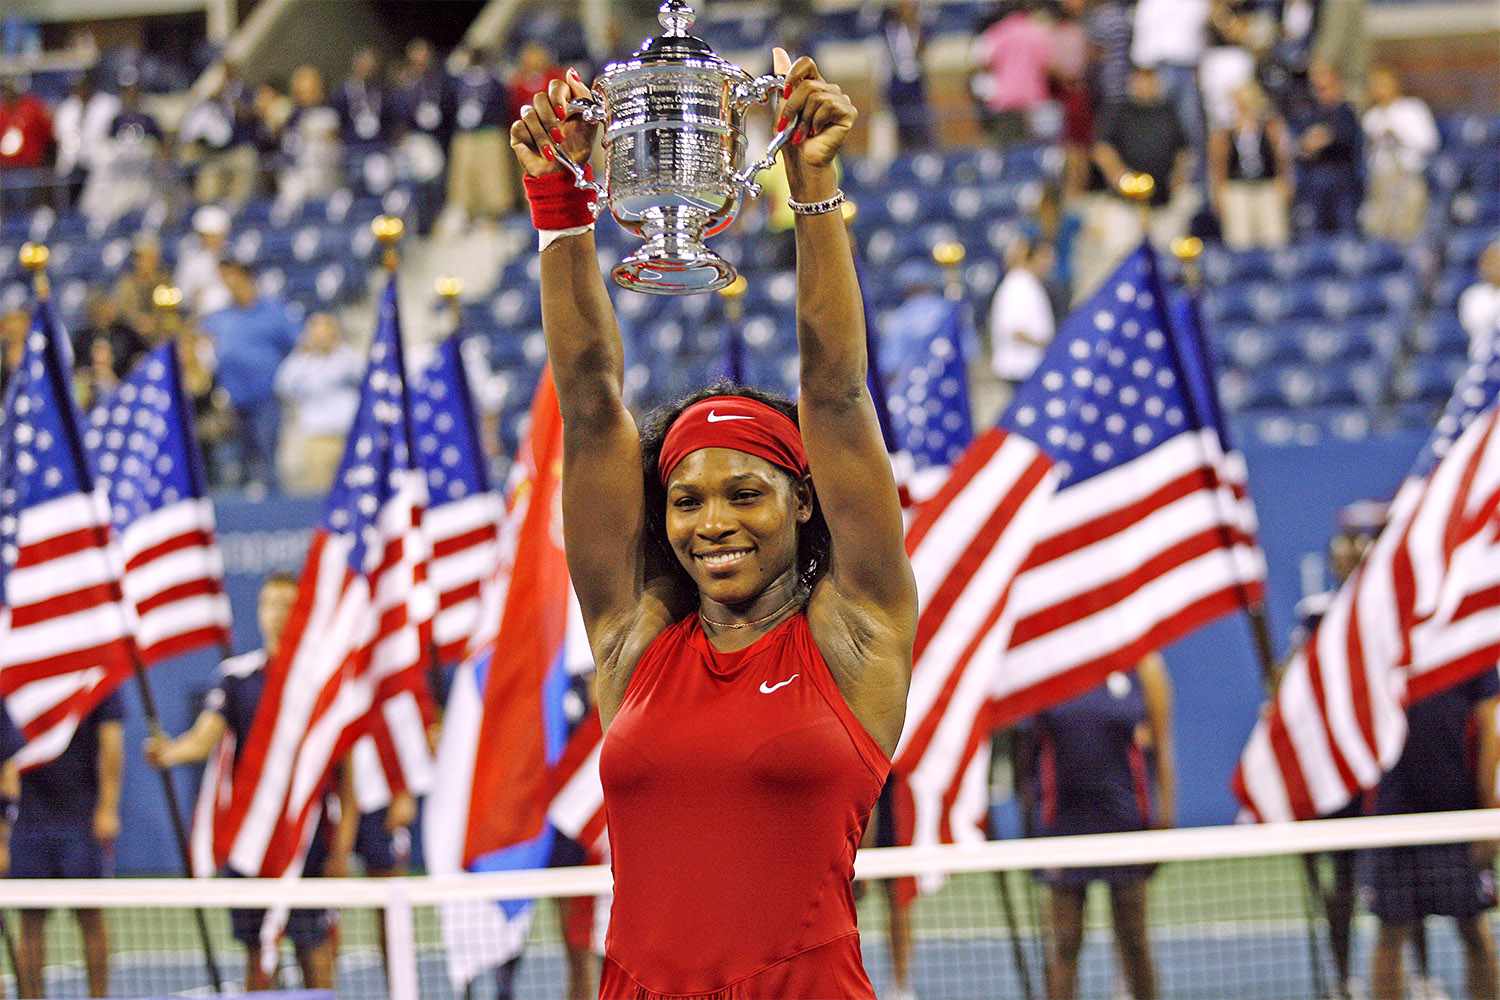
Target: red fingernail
[[574, 73], [797, 137], [562, 112], [548, 153], [781, 123], [786, 91], [557, 135]]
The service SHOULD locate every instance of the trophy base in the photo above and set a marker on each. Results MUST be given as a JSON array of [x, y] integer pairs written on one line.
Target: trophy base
[[674, 260]]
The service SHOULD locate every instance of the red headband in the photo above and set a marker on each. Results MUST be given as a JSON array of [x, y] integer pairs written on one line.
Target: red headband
[[735, 422]]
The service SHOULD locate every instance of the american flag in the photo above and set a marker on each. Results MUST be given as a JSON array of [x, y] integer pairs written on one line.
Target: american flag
[[355, 646], [928, 406], [142, 442], [1421, 613], [1086, 530], [65, 630], [463, 521]]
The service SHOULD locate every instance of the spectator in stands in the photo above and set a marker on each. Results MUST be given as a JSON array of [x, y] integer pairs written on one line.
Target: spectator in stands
[[319, 385], [14, 325], [219, 134], [1400, 138], [1250, 173], [1328, 156], [229, 712], [906, 332], [197, 275], [105, 349], [1068, 79], [1171, 35], [1341, 42], [251, 338], [1102, 762], [312, 155], [1228, 63], [1479, 306], [1143, 135], [1022, 322], [81, 124], [365, 114], [1057, 224], [1448, 763], [422, 97], [481, 177], [1012, 56], [25, 138], [903, 32], [134, 288], [125, 177], [66, 827], [1109, 29], [535, 68]]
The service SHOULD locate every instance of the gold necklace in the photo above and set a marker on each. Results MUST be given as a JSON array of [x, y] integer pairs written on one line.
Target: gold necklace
[[796, 596]]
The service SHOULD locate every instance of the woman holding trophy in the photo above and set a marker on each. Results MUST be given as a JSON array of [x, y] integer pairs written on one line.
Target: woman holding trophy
[[748, 599]]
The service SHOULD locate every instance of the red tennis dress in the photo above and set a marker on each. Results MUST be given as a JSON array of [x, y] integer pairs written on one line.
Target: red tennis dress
[[737, 787]]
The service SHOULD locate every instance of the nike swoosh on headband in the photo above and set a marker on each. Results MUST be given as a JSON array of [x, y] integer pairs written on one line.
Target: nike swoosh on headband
[[714, 418]]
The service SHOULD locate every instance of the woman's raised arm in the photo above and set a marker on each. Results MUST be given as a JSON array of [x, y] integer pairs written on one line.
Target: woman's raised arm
[[603, 496], [839, 427]]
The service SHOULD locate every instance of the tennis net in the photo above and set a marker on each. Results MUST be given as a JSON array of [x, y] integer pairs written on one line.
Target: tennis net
[[1231, 913]]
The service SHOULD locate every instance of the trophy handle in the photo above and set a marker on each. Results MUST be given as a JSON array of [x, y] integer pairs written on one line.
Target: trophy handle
[[592, 111], [756, 91]]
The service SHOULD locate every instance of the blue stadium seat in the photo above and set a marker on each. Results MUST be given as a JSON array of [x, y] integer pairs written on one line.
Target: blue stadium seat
[[1462, 247], [1476, 208], [1222, 266], [1450, 285], [1442, 336], [1429, 379]]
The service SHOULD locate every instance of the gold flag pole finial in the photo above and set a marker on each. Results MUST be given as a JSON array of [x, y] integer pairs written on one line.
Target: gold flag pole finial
[[168, 300], [1139, 188], [388, 230], [34, 258], [1187, 250], [949, 255], [448, 288]]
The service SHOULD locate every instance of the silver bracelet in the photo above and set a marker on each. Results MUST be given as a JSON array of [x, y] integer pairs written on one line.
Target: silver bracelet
[[817, 207]]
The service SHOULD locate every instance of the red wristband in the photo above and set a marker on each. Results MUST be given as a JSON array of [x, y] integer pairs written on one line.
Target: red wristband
[[557, 202]]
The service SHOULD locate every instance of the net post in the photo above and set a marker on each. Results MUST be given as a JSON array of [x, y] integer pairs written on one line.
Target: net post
[[401, 943]]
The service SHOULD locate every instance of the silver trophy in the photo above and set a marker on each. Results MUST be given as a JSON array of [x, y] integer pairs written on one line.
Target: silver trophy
[[674, 154]]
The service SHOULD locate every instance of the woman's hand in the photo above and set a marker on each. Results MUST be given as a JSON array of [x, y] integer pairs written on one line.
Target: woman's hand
[[826, 116], [545, 124]]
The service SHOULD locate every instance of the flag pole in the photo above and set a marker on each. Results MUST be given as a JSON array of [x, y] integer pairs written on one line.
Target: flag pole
[[733, 295], [34, 258], [1188, 250]]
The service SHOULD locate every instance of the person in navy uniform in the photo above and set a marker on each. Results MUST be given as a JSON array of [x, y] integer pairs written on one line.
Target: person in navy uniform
[[229, 710], [66, 824], [1103, 763], [1448, 763]]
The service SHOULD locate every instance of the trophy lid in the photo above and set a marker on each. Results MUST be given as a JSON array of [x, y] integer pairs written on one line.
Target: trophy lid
[[675, 45]]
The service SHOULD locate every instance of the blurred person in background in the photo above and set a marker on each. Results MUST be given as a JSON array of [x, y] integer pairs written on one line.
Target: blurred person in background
[[1448, 763], [1250, 173], [1143, 135], [1400, 138], [197, 274], [1328, 158], [125, 177], [481, 174], [105, 348], [1102, 763], [1057, 223], [1109, 29], [423, 108], [1068, 78], [901, 26], [1022, 321], [229, 711], [1012, 57], [535, 69], [1342, 42], [1228, 62], [25, 139], [1171, 36], [1479, 306], [15, 324], [66, 828], [219, 134], [134, 289], [363, 104], [251, 338], [81, 124], [318, 385], [311, 152]]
